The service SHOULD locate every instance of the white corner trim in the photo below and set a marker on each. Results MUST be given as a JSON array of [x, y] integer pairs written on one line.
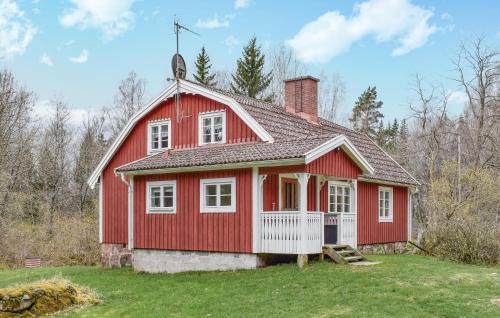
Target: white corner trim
[[151, 210], [184, 87], [256, 200], [101, 200], [218, 208], [347, 146]]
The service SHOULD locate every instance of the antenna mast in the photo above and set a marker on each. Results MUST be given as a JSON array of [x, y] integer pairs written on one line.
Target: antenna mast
[[178, 28]]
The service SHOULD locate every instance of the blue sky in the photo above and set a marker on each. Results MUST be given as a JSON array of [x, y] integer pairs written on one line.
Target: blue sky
[[79, 50]]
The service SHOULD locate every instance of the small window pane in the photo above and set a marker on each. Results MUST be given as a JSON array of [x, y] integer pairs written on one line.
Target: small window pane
[[218, 120], [339, 208], [211, 200], [332, 207], [168, 202], [225, 200], [155, 197], [346, 191], [211, 189], [207, 138], [207, 122], [225, 189]]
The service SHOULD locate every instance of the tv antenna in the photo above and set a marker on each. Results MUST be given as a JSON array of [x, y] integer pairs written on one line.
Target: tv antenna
[[179, 68]]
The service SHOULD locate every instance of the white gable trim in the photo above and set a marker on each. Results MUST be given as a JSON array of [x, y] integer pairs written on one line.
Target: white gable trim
[[343, 142], [184, 87]]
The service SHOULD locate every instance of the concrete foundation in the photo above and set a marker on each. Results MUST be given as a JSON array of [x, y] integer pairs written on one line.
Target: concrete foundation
[[158, 261], [115, 255], [383, 248]]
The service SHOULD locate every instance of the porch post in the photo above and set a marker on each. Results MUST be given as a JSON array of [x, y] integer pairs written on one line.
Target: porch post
[[131, 213], [303, 179], [255, 210], [355, 205]]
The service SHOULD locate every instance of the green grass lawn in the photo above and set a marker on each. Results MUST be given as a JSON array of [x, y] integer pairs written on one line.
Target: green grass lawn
[[402, 286]]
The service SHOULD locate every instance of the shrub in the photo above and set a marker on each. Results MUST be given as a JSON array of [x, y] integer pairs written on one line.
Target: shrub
[[464, 227]]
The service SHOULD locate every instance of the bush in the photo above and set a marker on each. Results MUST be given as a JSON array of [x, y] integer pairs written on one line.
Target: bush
[[74, 241], [464, 227]]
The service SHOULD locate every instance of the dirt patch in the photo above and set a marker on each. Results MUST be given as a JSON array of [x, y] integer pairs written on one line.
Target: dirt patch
[[43, 297], [495, 301]]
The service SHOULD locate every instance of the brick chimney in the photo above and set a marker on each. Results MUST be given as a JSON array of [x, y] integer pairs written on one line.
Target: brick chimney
[[301, 97]]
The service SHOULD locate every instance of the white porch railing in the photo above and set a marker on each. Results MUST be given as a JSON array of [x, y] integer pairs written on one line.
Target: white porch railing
[[291, 232]]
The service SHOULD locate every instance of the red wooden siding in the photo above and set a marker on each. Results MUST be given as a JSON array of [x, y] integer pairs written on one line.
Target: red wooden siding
[[370, 231], [271, 193], [189, 229], [311, 194], [336, 164], [184, 134]]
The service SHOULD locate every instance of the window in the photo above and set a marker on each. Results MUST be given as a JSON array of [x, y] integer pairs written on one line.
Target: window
[[212, 128], [218, 195], [339, 198], [161, 197], [289, 194], [159, 133], [384, 204]]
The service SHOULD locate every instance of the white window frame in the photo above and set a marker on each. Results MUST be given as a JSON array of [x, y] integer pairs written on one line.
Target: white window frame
[[344, 185], [218, 208], [203, 116], [161, 210], [388, 218], [159, 123]]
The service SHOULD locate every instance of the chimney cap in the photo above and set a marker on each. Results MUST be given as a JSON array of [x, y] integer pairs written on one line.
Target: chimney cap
[[302, 78]]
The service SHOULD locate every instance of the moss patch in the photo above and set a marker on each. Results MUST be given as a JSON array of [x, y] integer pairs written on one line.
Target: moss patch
[[43, 297]]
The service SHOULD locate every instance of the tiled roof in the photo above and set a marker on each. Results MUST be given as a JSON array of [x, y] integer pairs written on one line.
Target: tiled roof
[[293, 137]]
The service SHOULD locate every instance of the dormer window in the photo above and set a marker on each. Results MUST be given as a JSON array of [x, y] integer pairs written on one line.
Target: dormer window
[[159, 135], [212, 128]]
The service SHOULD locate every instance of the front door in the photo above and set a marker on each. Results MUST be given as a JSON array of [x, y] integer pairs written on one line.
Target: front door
[[289, 194], [341, 210]]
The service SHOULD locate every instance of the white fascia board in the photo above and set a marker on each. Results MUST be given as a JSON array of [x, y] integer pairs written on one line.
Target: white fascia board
[[347, 146], [184, 87]]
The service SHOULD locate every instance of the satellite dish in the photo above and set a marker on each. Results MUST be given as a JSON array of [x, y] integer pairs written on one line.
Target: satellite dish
[[178, 66]]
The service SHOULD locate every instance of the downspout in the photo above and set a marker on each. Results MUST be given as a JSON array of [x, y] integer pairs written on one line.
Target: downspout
[[130, 216]]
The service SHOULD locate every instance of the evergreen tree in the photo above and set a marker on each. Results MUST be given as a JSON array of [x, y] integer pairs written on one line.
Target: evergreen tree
[[380, 135], [203, 67], [249, 78], [366, 113]]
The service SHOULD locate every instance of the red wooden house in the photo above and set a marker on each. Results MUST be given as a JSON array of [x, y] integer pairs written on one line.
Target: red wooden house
[[213, 180]]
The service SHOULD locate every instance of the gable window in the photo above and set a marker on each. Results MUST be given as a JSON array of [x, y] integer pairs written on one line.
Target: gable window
[[339, 198], [384, 204], [218, 195], [161, 197], [159, 135], [212, 128]]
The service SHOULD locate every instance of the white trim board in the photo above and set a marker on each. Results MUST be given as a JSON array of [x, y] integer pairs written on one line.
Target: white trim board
[[184, 87]]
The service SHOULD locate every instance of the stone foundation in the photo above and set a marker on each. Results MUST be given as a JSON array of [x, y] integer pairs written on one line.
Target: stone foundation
[[115, 255], [383, 248], [157, 261]]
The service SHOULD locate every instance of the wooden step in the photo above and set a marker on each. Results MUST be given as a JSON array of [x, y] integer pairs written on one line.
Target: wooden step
[[342, 254], [354, 258]]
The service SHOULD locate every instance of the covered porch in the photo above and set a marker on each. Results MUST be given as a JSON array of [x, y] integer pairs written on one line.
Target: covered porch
[[299, 211]]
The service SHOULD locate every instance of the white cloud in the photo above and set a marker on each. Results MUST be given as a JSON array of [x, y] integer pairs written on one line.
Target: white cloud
[[82, 58], [241, 4], [45, 59], [112, 17], [44, 110], [385, 20], [16, 31], [456, 96], [231, 42], [213, 23]]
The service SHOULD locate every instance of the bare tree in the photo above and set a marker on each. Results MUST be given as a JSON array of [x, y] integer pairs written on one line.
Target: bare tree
[[478, 73], [128, 100], [92, 146], [223, 79], [284, 65], [54, 166], [331, 94]]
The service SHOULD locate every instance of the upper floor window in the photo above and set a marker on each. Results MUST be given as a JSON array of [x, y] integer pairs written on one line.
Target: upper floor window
[[339, 197], [385, 204], [159, 135], [218, 195], [161, 197], [212, 128]]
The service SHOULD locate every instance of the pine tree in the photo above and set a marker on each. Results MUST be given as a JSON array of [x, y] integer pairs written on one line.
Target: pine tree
[[203, 66], [366, 113], [381, 134], [249, 78]]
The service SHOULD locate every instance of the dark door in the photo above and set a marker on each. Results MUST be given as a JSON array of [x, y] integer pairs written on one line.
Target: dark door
[[331, 229]]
